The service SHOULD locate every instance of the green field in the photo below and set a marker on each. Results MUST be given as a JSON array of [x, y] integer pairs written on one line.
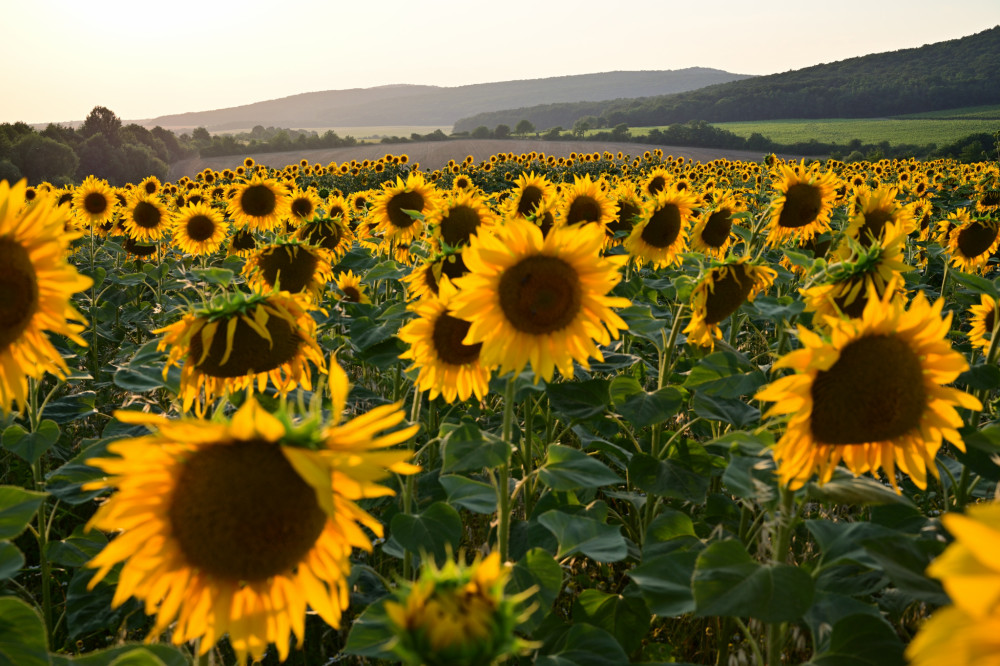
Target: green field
[[938, 127]]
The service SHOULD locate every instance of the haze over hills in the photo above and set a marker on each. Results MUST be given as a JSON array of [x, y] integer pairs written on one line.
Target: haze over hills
[[434, 105]]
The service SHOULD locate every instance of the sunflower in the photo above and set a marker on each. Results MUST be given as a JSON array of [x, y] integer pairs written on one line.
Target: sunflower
[[446, 365], [629, 209], [337, 207], [713, 232], [241, 341], [242, 243], [984, 321], [720, 293], [656, 181], [585, 202], [972, 242], [303, 205], [149, 186], [207, 556], [871, 272], [539, 300], [661, 233], [36, 291], [968, 632], [199, 229], [389, 211], [259, 204], [332, 234], [458, 217], [423, 279], [292, 266], [94, 203], [351, 287], [875, 210], [804, 203], [873, 394], [145, 218], [528, 193]]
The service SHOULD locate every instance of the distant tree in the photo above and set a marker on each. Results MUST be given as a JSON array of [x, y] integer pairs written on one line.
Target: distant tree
[[553, 134], [580, 127], [99, 158], [40, 158], [139, 162], [200, 136], [481, 132], [62, 134], [102, 120], [9, 171], [501, 131], [758, 141], [620, 132], [169, 139], [524, 127]]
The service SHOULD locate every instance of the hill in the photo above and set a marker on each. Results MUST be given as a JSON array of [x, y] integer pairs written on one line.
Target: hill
[[956, 73], [434, 105]]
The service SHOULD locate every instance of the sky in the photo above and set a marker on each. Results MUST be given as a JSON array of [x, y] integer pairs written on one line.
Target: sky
[[61, 58]]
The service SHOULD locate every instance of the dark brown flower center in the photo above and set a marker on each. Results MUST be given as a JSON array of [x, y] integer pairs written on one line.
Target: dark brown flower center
[[326, 234], [293, 266], [656, 185], [540, 294], [871, 230], [200, 227], [250, 353], [803, 203], [873, 393], [243, 240], [459, 225], [454, 267], [18, 291], [626, 217], [717, 228], [447, 337], [95, 203], [990, 199], [302, 207], [351, 294], [402, 202], [138, 249], [146, 215], [240, 512], [728, 293], [531, 196], [663, 228], [583, 209], [856, 307], [258, 201], [976, 238]]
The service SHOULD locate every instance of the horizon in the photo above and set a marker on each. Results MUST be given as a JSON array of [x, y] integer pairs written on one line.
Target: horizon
[[72, 72]]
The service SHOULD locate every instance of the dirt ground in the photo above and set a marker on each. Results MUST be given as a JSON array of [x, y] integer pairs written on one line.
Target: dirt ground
[[435, 154]]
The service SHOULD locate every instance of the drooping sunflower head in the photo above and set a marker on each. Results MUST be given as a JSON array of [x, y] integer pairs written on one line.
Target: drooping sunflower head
[[145, 218], [629, 211], [94, 203], [36, 291], [457, 217], [713, 231], [259, 204], [290, 266], [988, 193], [804, 203], [528, 192], [456, 614], [242, 341], [662, 231], [399, 207], [199, 229], [446, 365], [720, 293], [352, 288], [873, 394], [207, 556], [242, 243], [587, 201], [972, 241], [536, 299], [332, 234]]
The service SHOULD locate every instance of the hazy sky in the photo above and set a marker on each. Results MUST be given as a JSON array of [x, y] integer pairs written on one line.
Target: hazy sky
[[63, 57]]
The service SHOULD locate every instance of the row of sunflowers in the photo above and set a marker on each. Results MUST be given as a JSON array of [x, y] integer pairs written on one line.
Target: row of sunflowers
[[313, 414]]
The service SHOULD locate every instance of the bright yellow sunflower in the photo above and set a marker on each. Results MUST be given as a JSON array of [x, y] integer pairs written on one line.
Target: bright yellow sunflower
[[241, 341], [291, 266], [303, 205], [629, 211], [971, 242], [199, 229], [656, 181], [149, 186], [536, 299], [713, 230], [804, 203], [352, 288], [875, 210], [237, 527], [587, 201], [662, 231], [145, 218], [36, 291], [389, 211], [259, 204], [873, 394], [458, 216], [984, 321], [968, 632], [94, 203], [720, 293], [528, 192], [446, 366]]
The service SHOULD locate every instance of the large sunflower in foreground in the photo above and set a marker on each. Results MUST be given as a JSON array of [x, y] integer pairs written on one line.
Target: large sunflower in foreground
[[390, 214], [447, 366], [539, 300], [36, 291], [803, 206], [968, 632], [237, 527], [873, 394], [662, 231], [720, 293], [242, 341]]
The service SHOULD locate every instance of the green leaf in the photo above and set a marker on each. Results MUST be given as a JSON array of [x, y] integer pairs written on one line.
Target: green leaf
[[137, 657], [670, 524], [728, 410], [905, 564], [666, 478], [66, 483], [584, 645], [432, 531], [642, 323], [72, 407], [387, 270], [830, 608], [88, 610], [371, 635], [624, 617], [977, 284], [31, 446], [724, 374], [751, 477], [78, 548], [166, 654], [640, 408], [777, 309], [861, 640], [11, 560], [980, 376], [579, 400], [218, 276], [540, 572], [846, 489], [567, 468], [144, 372], [728, 582], [17, 508], [665, 582], [22, 634], [468, 448], [582, 534], [469, 494]]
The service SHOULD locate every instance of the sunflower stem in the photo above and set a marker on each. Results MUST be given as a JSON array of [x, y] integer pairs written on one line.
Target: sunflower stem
[[779, 555], [503, 482], [527, 455], [944, 279]]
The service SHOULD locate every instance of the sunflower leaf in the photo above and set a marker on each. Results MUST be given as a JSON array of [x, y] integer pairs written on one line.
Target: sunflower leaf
[[31, 445], [582, 534], [567, 468], [17, 509], [579, 400], [22, 634], [861, 640], [436, 530], [625, 616], [11, 560]]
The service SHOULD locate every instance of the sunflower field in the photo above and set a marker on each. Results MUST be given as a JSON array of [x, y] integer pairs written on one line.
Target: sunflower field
[[563, 411]]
